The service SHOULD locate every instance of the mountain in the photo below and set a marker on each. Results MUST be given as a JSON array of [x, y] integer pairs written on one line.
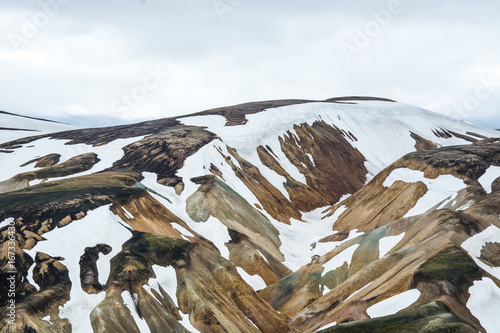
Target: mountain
[[13, 126], [352, 214]]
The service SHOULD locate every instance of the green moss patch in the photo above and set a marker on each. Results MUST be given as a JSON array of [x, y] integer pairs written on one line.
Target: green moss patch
[[433, 317], [451, 264]]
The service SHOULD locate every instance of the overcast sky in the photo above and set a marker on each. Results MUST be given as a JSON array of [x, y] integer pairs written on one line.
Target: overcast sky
[[103, 62]]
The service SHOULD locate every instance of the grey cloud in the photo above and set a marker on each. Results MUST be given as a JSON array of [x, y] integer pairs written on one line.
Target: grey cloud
[[432, 54]]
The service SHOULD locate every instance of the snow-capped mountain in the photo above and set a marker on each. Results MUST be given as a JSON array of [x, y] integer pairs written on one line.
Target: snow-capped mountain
[[347, 214], [13, 126]]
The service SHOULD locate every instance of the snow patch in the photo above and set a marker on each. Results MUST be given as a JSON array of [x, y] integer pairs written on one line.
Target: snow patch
[[299, 250], [387, 243], [127, 213], [439, 189], [328, 325], [393, 304], [214, 231], [47, 319], [254, 281], [338, 212], [354, 293], [182, 230], [339, 259], [6, 222], [166, 278], [108, 154], [69, 242], [311, 159], [484, 303], [129, 303], [466, 206], [29, 277], [209, 121], [474, 244], [492, 173]]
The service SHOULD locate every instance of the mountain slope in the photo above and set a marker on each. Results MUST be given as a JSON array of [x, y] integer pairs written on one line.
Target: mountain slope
[[13, 126], [270, 216]]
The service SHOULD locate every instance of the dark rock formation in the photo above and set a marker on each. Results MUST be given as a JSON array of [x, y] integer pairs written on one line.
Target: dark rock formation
[[89, 276]]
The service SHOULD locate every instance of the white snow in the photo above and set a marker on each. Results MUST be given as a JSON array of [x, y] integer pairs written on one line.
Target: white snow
[[263, 256], [209, 121], [447, 201], [167, 279], [328, 325], [254, 281], [127, 213], [108, 154], [339, 212], [474, 244], [212, 229], [251, 321], [30, 279], [35, 182], [311, 158], [383, 133], [484, 303], [129, 303], [340, 259], [393, 304], [377, 126], [492, 173], [6, 222], [27, 127], [354, 293], [297, 249], [182, 230], [69, 242], [466, 205], [47, 319], [387, 243], [439, 189]]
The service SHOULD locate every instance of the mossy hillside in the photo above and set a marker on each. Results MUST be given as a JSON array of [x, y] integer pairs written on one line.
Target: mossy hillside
[[465, 161], [433, 317], [159, 250], [133, 265], [452, 265]]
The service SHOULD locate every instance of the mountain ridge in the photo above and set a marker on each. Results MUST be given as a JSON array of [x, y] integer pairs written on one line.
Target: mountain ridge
[[290, 217]]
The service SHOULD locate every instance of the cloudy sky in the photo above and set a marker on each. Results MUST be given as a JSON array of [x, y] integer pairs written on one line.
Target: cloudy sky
[[117, 61]]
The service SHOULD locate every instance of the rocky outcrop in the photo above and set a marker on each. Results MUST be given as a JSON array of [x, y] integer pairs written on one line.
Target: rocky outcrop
[[214, 198], [321, 153], [45, 161], [164, 153], [490, 253], [218, 300], [72, 166], [431, 317], [422, 143], [52, 278], [271, 199], [89, 276], [465, 162], [144, 213]]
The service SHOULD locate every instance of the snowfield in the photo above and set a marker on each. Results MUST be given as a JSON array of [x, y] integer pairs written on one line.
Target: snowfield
[[393, 304], [69, 242], [377, 125]]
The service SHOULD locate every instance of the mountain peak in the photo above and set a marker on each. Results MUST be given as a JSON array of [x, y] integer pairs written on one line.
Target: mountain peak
[[352, 213]]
